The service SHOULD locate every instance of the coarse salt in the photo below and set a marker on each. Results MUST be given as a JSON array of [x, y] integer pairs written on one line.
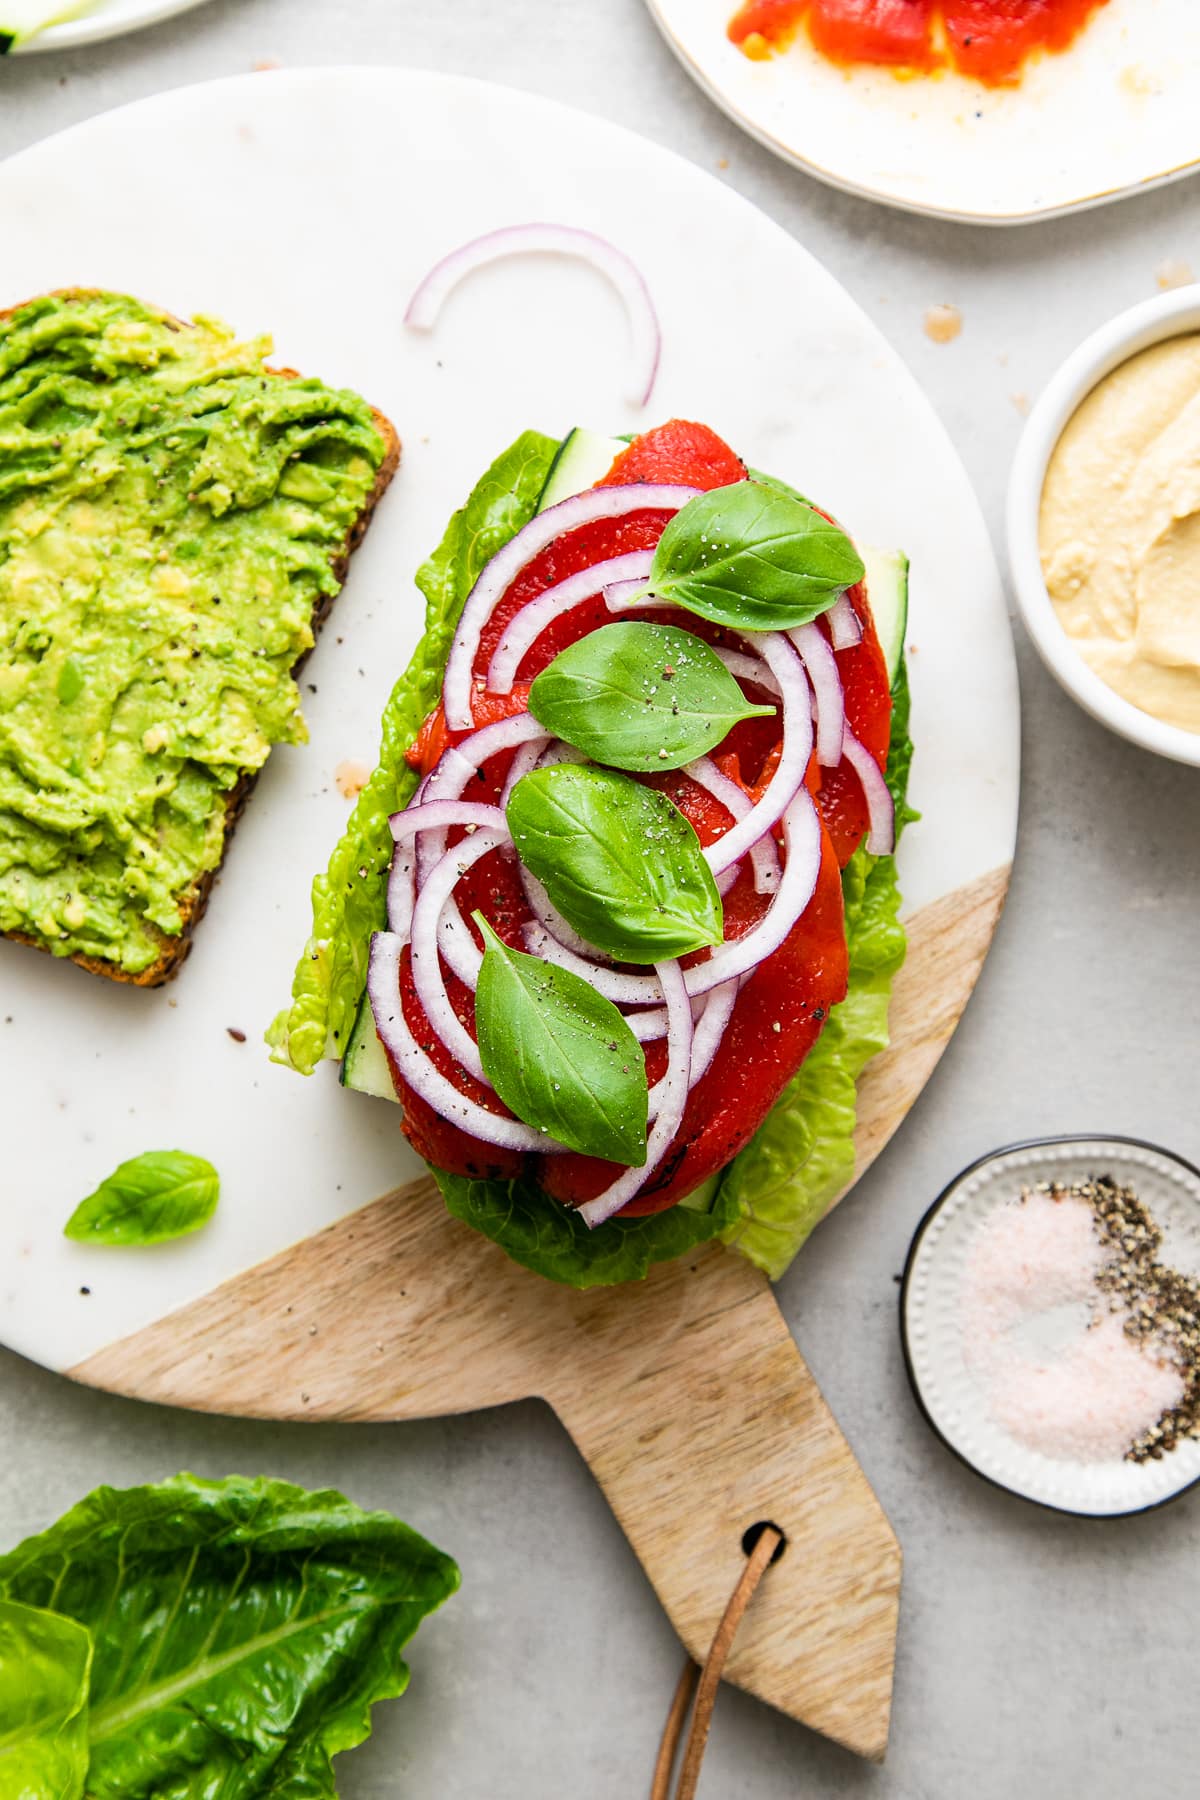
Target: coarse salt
[[1056, 1369]]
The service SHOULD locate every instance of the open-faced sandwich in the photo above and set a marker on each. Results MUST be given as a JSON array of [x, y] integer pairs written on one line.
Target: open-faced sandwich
[[615, 918], [175, 521]]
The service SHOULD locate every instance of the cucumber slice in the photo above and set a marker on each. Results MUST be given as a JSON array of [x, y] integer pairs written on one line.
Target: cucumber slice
[[701, 1199], [365, 1066], [887, 590], [584, 457]]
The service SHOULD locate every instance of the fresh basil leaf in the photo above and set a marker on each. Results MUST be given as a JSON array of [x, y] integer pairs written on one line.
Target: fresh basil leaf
[[243, 1630], [559, 1054], [640, 697], [44, 1666], [753, 557], [542, 1234], [618, 860], [160, 1195]]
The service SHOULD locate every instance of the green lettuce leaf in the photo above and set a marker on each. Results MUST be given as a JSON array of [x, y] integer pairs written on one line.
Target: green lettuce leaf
[[243, 1630], [348, 900], [553, 1241], [802, 1156], [44, 1666]]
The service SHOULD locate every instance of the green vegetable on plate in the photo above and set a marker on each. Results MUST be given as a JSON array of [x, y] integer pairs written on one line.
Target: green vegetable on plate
[[153, 1198]]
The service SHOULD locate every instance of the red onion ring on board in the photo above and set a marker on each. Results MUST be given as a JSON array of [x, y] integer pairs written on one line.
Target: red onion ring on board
[[525, 627], [763, 855], [802, 865], [783, 660], [515, 556], [383, 991], [554, 240], [673, 1099], [881, 810], [828, 692], [746, 668], [432, 898]]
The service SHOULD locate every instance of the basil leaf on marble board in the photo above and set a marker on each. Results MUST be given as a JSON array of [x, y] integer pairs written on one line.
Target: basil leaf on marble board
[[153, 1198], [753, 557], [618, 860], [560, 1056], [640, 697]]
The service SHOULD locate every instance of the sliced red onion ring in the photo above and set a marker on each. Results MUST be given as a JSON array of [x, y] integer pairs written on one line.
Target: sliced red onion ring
[[383, 991], [747, 668], [401, 890], [673, 1099], [828, 692], [432, 898], [622, 596], [621, 989], [551, 920], [460, 764], [522, 764], [845, 627], [554, 240], [881, 837], [524, 629], [503, 569], [442, 815], [782, 658], [763, 855], [802, 865], [710, 1016]]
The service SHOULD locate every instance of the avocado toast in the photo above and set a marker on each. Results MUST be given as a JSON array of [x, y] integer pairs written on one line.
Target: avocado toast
[[176, 519]]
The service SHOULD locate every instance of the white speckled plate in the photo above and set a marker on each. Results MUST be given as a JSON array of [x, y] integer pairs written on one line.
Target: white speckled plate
[[769, 350], [1117, 112], [107, 19], [931, 1323]]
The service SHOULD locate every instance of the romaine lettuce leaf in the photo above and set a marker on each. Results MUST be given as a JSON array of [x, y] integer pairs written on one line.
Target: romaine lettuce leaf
[[348, 900], [553, 1241], [44, 1665], [802, 1156], [243, 1630]]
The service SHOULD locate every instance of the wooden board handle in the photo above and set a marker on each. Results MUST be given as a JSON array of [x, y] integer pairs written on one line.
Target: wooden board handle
[[697, 1415]]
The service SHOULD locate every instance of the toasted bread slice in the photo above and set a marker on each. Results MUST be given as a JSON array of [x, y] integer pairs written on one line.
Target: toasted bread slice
[[193, 901]]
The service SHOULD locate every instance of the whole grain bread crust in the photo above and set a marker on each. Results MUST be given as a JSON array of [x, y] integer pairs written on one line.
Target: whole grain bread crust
[[194, 900]]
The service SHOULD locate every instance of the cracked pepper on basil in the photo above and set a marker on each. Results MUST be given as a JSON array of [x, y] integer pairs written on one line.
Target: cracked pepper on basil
[[169, 514]]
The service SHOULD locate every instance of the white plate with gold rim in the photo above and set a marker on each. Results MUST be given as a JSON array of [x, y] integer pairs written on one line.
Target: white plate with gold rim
[[1117, 112]]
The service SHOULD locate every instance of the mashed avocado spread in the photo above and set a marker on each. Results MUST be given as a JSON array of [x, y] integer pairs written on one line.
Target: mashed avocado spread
[[169, 515]]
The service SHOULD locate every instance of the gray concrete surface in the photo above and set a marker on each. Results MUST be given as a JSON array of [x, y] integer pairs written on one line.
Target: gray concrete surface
[[1038, 1655]]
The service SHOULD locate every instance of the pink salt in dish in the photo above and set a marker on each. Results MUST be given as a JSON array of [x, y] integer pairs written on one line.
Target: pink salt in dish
[[1053, 1343], [1055, 1365]]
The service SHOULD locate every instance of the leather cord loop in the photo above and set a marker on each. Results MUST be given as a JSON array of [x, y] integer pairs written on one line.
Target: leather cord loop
[[703, 1683]]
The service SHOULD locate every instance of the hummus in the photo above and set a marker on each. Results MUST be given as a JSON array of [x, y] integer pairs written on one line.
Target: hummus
[[1120, 531]]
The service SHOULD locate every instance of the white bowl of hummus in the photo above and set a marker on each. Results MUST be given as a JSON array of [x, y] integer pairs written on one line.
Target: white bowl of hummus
[[1104, 525]]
